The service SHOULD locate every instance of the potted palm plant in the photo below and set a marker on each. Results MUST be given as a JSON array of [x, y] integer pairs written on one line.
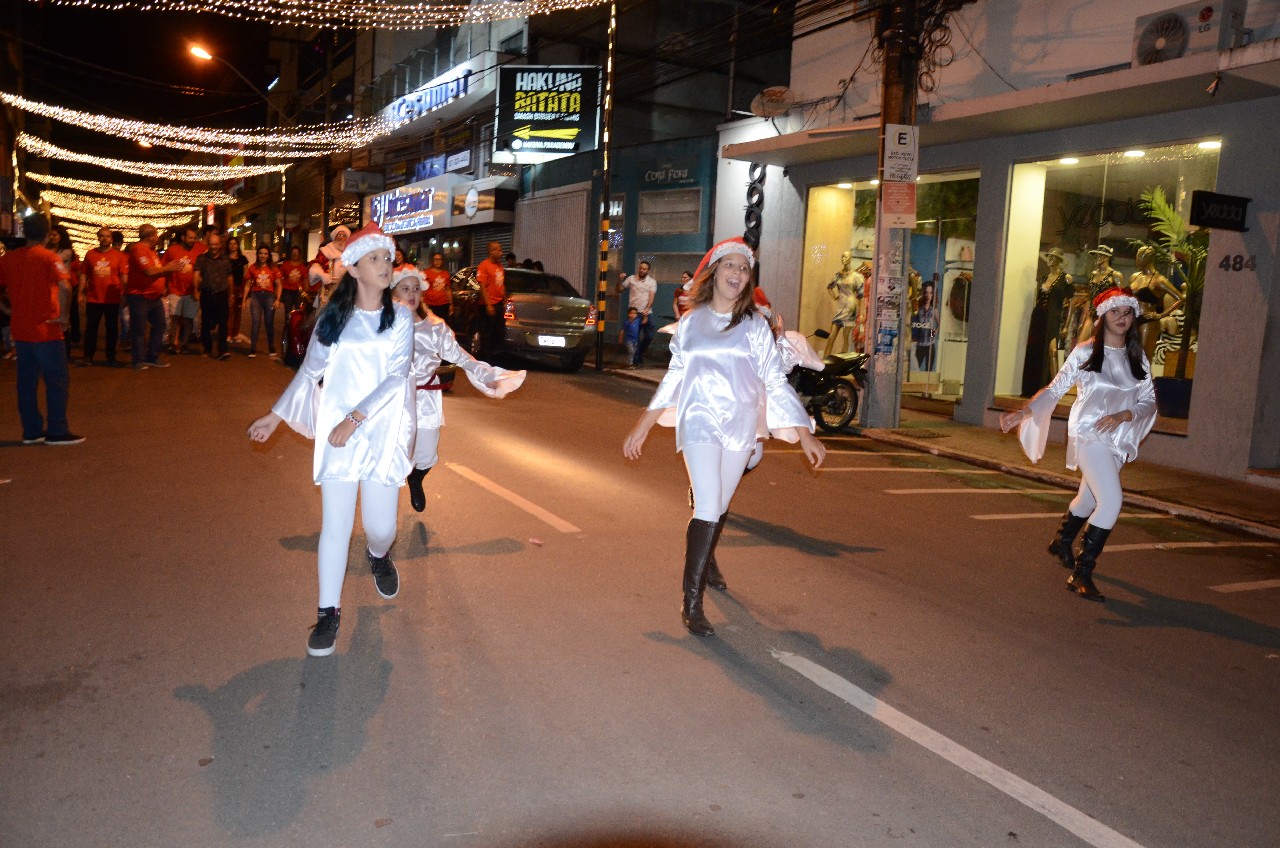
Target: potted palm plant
[[1182, 252]]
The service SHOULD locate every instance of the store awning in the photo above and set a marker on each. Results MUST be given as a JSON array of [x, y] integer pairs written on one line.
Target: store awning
[[1246, 73]]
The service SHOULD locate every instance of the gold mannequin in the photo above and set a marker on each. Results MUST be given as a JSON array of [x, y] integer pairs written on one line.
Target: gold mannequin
[[1159, 299]]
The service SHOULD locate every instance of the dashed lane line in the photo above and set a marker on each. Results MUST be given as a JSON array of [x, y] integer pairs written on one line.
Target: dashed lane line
[[1173, 546], [1251, 586], [511, 497], [1016, 516], [977, 491], [1082, 825]]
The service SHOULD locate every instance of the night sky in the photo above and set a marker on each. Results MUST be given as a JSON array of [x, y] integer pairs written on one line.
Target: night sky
[[143, 71]]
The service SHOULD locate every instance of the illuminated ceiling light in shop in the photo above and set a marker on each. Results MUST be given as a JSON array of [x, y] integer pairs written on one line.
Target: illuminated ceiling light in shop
[[369, 14], [1069, 160], [136, 193], [1210, 145], [844, 185], [1134, 154], [875, 182], [155, 170]]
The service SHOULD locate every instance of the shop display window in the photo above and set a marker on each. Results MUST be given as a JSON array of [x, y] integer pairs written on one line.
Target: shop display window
[[839, 243], [1080, 223]]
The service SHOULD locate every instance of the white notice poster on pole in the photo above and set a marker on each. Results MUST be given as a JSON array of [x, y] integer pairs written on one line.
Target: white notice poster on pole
[[901, 153]]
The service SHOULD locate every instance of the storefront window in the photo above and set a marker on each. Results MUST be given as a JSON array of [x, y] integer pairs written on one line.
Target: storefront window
[[839, 242], [1079, 224], [670, 212]]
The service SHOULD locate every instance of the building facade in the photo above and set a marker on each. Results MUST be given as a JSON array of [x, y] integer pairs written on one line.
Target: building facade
[[1043, 145]]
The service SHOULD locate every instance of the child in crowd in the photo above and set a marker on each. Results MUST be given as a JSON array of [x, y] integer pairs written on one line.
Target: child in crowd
[[630, 334]]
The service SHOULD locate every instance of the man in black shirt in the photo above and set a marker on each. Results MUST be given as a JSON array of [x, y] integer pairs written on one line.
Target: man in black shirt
[[213, 288]]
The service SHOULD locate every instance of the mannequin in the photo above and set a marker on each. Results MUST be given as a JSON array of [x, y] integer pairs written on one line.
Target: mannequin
[[1077, 325], [847, 289], [1041, 360], [1159, 298]]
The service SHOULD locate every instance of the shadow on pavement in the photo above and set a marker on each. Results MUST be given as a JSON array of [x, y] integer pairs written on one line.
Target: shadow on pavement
[[416, 544], [1160, 611], [785, 537], [281, 724], [744, 649]]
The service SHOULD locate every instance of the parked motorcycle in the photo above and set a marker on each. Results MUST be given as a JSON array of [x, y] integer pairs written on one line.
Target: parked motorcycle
[[831, 395]]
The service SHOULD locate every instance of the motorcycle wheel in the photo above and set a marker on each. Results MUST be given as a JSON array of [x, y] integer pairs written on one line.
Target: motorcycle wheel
[[835, 408]]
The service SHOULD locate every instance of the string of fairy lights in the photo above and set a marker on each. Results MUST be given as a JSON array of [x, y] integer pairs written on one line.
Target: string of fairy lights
[[349, 14], [93, 205], [140, 194], [265, 142], [179, 173]]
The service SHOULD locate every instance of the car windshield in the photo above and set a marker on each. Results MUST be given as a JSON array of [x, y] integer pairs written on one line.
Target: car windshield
[[531, 282]]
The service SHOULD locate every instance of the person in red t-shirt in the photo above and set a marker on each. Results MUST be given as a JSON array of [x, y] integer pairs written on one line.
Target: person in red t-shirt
[[39, 290], [144, 294], [180, 300], [262, 279], [104, 270], [491, 275], [437, 295], [293, 271]]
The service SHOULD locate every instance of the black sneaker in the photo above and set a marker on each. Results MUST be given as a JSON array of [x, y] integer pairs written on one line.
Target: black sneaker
[[223, 357], [385, 576], [154, 364], [64, 439], [325, 631], [34, 440]]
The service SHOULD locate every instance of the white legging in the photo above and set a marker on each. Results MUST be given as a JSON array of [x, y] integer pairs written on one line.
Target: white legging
[[1100, 496], [426, 448], [378, 506], [714, 474]]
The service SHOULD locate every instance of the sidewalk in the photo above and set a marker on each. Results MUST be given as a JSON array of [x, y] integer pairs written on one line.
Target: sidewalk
[[1218, 501]]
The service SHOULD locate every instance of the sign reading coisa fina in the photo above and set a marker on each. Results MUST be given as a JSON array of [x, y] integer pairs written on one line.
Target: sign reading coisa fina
[[547, 109]]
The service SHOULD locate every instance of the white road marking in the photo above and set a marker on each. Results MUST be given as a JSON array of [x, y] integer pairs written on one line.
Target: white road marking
[[852, 452], [1082, 825], [506, 494], [1252, 586], [1013, 516], [914, 470], [957, 491], [1173, 546]]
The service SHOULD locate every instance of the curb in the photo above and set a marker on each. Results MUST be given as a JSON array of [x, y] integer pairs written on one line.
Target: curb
[[1205, 516]]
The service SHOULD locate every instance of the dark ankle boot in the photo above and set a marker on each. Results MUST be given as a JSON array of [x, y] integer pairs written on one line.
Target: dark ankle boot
[[1065, 540], [699, 539], [417, 497], [714, 578], [1081, 579]]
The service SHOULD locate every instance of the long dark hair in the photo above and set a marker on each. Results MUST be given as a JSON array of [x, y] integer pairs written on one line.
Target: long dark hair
[[1132, 349], [704, 287], [333, 318]]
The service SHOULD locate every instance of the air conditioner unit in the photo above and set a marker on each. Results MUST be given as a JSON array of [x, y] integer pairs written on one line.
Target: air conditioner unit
[[1188, 29]]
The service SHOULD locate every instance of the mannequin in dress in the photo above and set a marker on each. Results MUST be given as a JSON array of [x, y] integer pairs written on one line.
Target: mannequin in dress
[[1159, 299], [1041, 360], [847, 289], [1077, 324]]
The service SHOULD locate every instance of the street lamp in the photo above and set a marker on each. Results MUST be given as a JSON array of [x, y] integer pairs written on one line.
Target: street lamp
[[204, 55]]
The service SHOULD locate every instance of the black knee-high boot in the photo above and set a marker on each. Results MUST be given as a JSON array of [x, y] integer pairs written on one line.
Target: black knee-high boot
[[714, 578], [417, 497], [1081, 579], [1065, 540], [699, 539]]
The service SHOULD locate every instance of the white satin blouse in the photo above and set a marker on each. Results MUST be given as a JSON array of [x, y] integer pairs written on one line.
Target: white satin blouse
[[363, 370], [1111, 390], [434, 342], [727, 387]]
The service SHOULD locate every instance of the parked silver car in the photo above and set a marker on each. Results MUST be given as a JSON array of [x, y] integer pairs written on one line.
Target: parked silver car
[[544, 318]]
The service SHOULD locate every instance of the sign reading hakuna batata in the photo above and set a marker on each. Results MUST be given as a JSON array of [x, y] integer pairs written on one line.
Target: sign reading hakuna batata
[[547, 108]]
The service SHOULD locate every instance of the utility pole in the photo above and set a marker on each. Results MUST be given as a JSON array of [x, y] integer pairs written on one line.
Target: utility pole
[[602, 284], [899, 39]]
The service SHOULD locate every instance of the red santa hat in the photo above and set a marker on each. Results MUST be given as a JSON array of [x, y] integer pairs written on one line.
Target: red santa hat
[[723, 249], [367, 240], [1115, 298]]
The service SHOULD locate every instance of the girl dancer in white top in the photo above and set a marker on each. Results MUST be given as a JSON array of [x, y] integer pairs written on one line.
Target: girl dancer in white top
[[724, 376], [361, 350], [433, 342], [1114, 410]]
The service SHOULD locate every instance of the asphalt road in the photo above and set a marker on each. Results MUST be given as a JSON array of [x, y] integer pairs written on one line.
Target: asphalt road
[[892, 664]]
